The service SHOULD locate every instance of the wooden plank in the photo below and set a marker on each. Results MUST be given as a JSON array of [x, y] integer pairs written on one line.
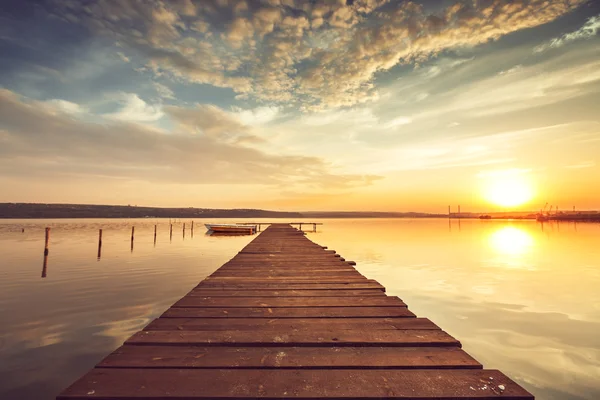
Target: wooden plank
[[292, 286], [132, 383], [290, 312], [292, 324], [272, 302], [287, 275], [289, 357], [289, 271], [298, 268], [397, 337], [298, 279], [283, 293]]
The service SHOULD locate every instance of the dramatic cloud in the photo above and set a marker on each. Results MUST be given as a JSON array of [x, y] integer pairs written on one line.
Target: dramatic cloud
[[314, 55]]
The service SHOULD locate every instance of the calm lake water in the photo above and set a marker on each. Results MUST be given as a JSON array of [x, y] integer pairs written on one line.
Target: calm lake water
[[522, 297]]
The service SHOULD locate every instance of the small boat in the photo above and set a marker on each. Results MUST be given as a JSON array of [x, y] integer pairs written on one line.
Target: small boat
[[231, 228]]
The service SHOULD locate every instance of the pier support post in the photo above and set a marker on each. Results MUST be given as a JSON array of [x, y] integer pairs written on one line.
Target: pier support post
[[154, 235], [99, 244], [171, 233], [47, 241], [184, 230]]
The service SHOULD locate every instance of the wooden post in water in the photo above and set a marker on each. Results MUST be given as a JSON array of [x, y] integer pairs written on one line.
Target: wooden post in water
[[99, 244], [449, 212], [47, 241], [155, 235], [314, 227], [171, 233], [132, 234], [192, 229], [184, 230]]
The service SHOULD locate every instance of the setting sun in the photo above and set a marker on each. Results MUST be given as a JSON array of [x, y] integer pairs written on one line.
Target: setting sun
[[507, 189]]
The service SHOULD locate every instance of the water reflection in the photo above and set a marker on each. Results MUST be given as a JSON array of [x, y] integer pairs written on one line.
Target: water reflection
[[45, 265], [519, 299], [99, 245], [535, 316], [511, 240], [54, 328]]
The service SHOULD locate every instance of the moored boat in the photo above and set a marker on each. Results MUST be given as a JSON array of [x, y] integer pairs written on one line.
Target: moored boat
[[231, 228]]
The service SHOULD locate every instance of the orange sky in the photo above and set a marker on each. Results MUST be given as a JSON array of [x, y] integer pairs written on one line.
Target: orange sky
[[493, 108]]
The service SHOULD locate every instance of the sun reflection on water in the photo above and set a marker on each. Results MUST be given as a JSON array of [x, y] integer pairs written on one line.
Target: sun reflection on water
[[511, 241]]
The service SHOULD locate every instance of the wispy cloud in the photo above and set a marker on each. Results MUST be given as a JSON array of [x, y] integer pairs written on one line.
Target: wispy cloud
[[38, 142], [134, 109], [588, 30], [581, 165], [65, 106], [163, 90]]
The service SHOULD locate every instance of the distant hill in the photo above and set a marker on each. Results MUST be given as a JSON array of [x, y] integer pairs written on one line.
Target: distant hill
[[36, 210], [369, 214], [40, 210]]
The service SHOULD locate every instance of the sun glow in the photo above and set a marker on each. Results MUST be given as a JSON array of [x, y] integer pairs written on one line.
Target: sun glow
[[507, 188]]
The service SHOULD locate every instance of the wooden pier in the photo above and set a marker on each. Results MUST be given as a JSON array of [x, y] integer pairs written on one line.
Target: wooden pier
[[286, 318], [260, 224]]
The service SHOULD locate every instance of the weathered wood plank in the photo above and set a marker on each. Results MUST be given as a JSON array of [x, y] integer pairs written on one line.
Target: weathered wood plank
[[283, 293], [292, 324], [111, 383], [291, 286], [271, 302], [298, 279], [290, 312], [397, 337], [289, 357]]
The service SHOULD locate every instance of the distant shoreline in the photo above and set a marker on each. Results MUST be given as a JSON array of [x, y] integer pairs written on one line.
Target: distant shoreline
[[64, 211], [74, 211]]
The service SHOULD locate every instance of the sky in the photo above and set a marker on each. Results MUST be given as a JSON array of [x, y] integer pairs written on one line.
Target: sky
[[366, 105]]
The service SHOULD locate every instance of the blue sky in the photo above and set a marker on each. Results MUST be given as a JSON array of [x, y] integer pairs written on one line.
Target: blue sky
[[358, 105]]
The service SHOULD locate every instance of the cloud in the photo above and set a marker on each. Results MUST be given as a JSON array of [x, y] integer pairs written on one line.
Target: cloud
[[163, 90], [35, 142], [135, 109], [587, 31], [581, 165], [503, 173], [313, 55], [123, 57], [256, 116], [64, 106], [492, 85], [211, 121]]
